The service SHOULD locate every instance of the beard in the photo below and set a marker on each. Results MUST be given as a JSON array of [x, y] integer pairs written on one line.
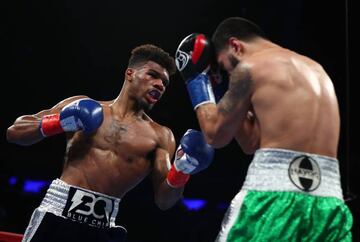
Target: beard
[[233, 61], [145, 106]]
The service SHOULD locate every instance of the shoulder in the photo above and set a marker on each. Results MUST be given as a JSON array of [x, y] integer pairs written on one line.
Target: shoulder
[[68, 100], [270, 64], [164, 134], [259, 64], [267, 59], [74, 98]]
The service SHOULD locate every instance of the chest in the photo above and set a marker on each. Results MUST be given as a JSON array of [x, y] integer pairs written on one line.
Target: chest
[[134, 137]]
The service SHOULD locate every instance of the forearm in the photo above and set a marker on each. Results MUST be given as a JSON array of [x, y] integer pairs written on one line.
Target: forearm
[[216, 133], [167, 196], [192, 156], [25, 130], [206, 115], [87, 115]]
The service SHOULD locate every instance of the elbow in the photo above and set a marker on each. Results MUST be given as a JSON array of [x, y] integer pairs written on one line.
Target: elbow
[[163, 205], [249, 148], [217, 137], [165, 201], [12, 136], [216, 142]]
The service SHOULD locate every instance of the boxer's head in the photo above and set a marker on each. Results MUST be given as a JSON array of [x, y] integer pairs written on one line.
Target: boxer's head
[[148, 73], [229, 38]]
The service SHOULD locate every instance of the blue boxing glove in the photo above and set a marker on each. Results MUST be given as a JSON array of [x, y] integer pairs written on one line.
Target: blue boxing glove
[[192, 156], [83, 114]]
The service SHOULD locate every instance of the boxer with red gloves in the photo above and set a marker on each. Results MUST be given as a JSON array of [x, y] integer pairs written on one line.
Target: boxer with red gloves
[[281, 107], [195, 61]]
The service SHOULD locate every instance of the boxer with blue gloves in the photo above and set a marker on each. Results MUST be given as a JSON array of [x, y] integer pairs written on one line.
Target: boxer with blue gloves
[[111, 147]]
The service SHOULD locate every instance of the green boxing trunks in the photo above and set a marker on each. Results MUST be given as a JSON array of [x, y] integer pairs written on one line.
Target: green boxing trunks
[[288, 196]]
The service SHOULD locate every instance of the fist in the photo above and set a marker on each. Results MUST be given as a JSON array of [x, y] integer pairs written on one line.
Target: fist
[[84, 114], [193, 154], [219, 80], [193, 55]]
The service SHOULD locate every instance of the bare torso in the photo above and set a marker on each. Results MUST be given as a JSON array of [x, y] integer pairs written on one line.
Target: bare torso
[[294, 102], [116, 158]]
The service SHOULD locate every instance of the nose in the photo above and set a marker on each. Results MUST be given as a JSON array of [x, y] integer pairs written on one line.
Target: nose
[[159, 85]]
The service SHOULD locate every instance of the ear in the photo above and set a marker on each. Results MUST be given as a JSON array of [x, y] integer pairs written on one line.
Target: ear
[[236, 45], [128, 74]]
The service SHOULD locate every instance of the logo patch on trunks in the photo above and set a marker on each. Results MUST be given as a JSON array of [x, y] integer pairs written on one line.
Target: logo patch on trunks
[[304, 172], [85, 207]]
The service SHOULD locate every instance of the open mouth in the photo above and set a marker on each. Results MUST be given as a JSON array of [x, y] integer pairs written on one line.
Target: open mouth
[[154, 95]]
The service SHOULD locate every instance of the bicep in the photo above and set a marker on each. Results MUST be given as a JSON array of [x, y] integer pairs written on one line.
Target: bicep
[[161, 167], [233, 107], [57, 108]]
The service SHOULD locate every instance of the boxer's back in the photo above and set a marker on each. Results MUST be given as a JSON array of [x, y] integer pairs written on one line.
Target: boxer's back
[[295, 103]]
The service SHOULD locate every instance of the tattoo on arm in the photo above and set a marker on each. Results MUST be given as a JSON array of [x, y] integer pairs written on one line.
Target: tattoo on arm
[[239, 89]]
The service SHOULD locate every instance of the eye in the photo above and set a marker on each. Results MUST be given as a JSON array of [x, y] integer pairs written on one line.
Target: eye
[[153, 75], [165, 82]]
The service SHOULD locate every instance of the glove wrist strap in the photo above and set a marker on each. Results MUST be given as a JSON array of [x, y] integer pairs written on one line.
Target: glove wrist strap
[[50, 125], [200, 90], [177, 179]]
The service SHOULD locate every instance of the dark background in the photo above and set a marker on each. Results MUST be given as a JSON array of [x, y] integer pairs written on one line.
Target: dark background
[[51, 50]]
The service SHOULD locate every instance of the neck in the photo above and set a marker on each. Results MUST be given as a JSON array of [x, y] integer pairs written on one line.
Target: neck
[[260, 44], [125, 105]]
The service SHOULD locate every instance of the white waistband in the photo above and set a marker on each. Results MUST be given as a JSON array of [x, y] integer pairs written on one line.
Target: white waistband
[[56, 202], [287, 170]]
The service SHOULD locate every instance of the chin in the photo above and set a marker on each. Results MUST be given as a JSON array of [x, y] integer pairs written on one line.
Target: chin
[[146, 106]]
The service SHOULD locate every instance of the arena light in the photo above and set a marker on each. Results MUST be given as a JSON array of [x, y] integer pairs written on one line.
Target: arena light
[[194, 204], [12, 180], [34, 186]]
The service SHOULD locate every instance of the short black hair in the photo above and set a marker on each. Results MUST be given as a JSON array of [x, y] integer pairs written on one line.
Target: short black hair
[[148, 52], [240, 28]]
